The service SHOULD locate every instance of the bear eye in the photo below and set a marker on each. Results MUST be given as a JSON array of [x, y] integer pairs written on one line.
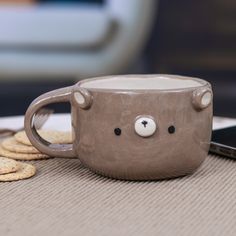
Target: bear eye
[[171, 129], [117, 131]]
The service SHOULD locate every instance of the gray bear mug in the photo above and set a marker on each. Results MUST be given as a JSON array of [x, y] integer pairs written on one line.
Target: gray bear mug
[[133, 127]]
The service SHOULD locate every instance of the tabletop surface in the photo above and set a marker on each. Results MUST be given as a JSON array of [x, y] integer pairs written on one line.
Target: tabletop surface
[[64, 198]]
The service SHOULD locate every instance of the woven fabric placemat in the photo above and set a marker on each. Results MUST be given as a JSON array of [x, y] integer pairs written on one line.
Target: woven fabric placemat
[[64, 198]]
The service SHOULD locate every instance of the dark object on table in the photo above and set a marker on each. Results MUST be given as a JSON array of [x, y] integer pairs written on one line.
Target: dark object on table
[[224, 142]]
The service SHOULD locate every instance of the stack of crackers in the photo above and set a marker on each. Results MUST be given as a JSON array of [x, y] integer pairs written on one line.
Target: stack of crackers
[[18, 148]]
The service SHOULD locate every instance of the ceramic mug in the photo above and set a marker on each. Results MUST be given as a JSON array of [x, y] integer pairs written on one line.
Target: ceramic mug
[[136, 127]]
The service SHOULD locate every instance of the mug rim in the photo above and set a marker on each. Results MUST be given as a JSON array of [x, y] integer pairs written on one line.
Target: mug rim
[[202, 82]]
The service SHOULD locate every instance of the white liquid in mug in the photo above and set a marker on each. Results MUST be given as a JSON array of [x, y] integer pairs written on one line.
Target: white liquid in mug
[[142, 82]]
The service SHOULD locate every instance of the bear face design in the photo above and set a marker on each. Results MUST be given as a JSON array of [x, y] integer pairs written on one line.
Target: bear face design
[[145, 127], [143, 136]]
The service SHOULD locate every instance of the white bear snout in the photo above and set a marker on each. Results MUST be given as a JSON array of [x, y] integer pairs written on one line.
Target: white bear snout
[[145, 126]]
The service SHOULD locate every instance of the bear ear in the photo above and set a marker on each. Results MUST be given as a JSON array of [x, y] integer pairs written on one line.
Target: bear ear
[[83, 98], [202, 98]]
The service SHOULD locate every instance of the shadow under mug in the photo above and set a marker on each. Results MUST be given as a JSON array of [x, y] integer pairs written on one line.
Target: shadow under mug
[[134, 127]]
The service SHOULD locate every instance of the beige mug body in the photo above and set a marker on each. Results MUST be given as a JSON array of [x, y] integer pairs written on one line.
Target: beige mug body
[[134, 127]]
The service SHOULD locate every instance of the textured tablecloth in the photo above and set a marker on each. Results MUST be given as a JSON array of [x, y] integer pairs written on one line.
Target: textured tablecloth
[[64, 198]]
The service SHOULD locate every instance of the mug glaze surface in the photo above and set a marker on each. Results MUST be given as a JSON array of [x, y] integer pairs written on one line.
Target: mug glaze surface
[[134, 127]]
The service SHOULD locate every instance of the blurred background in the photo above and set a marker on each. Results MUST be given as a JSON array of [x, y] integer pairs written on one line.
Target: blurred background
[[47, 44]]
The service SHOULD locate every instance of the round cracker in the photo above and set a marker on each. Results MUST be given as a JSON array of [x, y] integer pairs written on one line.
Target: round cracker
[[12, 145], [8, 165], [52, 136], [22, 156], [25, 171]]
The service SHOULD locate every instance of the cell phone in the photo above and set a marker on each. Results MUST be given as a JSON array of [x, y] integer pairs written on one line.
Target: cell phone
[[223, 142]]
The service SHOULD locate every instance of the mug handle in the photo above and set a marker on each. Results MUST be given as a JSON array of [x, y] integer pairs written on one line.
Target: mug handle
[[55, 96]]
